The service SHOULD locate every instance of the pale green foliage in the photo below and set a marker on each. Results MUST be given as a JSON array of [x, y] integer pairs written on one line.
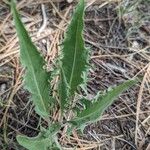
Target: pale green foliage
[[39, 142], [74, 59], [73, 66], [94, 110], [45, 140], [36, 78], [63, 91]]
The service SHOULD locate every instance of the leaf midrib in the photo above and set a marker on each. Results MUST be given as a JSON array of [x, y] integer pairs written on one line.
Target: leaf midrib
[[35, 79], [122, 87], [98, 110], [21, 27], [75, 53]]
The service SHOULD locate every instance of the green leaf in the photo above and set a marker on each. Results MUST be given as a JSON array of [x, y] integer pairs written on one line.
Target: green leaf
[[45, 140], [36, 78], [74, 61], [63, 92], [36, 143], [94, 111]]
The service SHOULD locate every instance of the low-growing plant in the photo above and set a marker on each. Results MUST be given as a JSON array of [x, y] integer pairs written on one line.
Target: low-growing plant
[[73, 67]]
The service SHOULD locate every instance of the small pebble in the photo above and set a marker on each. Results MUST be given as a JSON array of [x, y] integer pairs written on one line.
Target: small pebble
[[2, 88], [69, 1]]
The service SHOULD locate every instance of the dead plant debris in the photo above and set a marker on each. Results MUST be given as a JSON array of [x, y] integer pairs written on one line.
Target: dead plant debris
[[118, 34]]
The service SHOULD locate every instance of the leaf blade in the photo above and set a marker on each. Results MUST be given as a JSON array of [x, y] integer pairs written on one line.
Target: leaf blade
[[94, 112], [38, 143], [33, 143], [45, 140], [36, 78], [63, 92], [74, 59]]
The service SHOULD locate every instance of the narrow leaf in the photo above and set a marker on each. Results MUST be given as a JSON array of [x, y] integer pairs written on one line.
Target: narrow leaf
[[94, 111], [74, 61], [36, 78]]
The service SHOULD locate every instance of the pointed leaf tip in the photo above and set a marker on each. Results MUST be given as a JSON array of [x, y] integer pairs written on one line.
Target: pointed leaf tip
[[95, 110], [74, 61], [36, 78]]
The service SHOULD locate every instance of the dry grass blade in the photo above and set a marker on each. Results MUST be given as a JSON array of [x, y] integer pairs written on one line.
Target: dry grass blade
[[113, 60], [139, 101]]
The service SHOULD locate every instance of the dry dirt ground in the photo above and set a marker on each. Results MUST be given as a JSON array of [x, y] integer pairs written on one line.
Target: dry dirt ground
[[118, 35]]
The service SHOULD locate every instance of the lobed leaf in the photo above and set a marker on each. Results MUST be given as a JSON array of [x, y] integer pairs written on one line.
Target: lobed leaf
[[36, 78], [93, 112], [74, 61]]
